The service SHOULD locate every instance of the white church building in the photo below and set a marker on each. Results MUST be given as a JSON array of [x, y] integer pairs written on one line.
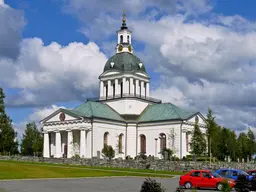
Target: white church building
[[123, 116]]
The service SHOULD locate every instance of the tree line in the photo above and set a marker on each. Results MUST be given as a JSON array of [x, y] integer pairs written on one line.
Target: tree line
[[222, 142]]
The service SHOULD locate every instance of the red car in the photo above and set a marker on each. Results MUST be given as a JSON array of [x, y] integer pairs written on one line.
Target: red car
[[204, 179]]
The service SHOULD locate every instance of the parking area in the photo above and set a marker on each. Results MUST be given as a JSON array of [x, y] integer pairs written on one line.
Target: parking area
[[113, 184]]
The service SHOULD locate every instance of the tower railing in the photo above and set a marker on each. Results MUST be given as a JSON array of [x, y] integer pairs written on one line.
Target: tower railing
[[125, 95]]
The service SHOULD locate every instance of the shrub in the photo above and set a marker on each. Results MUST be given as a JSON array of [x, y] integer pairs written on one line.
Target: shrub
[[147, 166], [150, 185], [108, 152], [167, 153]]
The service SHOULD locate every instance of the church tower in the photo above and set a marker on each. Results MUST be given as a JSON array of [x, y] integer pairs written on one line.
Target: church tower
[[124, 83], [124, 38]]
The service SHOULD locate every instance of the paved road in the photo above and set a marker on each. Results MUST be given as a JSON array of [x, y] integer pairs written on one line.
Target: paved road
[[114, 184]]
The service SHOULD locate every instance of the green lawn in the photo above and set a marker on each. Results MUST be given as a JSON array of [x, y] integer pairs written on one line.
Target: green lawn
[[25, 170]]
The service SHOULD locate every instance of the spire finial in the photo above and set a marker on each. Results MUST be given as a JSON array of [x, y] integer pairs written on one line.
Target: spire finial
[[124, 16], [124, 20]]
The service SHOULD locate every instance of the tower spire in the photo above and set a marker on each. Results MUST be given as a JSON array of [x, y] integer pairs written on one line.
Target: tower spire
[[124, 21]]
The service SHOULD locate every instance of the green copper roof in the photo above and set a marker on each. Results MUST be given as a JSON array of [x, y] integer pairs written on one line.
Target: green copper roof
[[96, 109], [124, 62], [163, 112]]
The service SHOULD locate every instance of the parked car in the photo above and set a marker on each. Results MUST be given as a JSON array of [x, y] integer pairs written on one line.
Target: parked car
[[233, 173], [252, 172], [204, 179]]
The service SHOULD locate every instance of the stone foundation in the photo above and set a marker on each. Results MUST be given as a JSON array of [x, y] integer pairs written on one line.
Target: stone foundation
[[135, 164]]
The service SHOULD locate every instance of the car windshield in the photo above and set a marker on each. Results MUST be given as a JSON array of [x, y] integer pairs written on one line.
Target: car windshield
[[214, 174], [243, 173]]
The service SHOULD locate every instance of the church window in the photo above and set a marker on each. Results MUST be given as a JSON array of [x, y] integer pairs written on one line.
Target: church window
[[142, 144], [106, 138], [120, 143], [128, 39], [121, 39], [162, 141]]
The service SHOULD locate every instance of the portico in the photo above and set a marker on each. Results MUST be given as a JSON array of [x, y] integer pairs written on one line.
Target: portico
[[67, 142]]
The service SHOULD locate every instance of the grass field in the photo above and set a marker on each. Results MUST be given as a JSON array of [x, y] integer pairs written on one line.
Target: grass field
[[25, 170]]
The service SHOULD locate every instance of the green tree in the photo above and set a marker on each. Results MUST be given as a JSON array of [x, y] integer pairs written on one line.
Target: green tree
[[251, 144], [242, 143], [226, 144], [32, 141], [108, 152], [211, 129], [8, 135], [198, 142]]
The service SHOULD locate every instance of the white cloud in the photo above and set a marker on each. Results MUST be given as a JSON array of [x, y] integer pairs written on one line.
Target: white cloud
[[11, 25], [52, 73]]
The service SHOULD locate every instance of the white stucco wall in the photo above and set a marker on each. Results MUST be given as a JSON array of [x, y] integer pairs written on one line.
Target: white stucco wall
[[128, 106], [153, 131], [114, 130]]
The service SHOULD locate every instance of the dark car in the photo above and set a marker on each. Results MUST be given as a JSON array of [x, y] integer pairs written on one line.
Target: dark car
[[252, 172], [233, 173]]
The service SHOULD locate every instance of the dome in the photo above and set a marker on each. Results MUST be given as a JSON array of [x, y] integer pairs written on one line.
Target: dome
[[125, 62]]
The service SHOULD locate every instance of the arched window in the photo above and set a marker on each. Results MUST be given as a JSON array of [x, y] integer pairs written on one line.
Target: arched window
[[162, 138], [121, 39], [105, 142], [120, 143], [143, 144], [128, 39]]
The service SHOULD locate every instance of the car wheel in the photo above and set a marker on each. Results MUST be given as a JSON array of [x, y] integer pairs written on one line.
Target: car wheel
[[188, 185], [219, 186]]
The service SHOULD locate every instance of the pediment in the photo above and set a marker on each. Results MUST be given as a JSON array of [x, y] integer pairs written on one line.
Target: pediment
[[60, 116], [201, 119]]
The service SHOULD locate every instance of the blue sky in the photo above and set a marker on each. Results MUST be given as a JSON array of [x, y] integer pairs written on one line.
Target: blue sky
[[193, 52]]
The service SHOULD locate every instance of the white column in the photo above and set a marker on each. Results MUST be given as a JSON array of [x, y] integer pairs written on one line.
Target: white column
[[82, 143], [46, 145], [104, 90], [101, 89], [142, 88], [88, 144], [131, 86], [137, 87], [57, 144], [147, 89], [124, 85], [70, 144], [116, 87]]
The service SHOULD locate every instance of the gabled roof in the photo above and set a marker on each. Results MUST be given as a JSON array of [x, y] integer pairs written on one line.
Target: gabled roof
[[92, 109], [66, 111], [164, 112]]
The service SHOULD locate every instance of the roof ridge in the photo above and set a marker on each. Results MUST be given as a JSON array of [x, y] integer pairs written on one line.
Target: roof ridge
[[89, 102]]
